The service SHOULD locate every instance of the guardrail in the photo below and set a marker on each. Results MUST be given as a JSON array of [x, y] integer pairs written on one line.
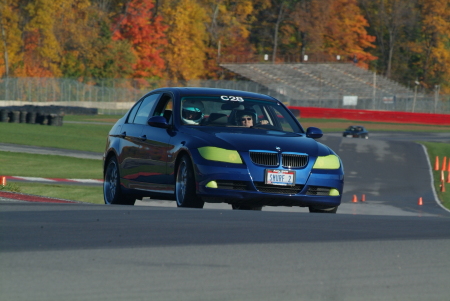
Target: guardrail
[[372, 115]]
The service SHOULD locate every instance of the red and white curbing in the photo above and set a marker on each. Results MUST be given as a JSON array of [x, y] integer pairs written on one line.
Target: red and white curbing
[[54, 180]]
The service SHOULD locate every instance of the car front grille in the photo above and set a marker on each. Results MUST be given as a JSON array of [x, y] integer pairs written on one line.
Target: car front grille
[[260, 186], [264, 158], [289, 160], [316, 190], [294, 160]]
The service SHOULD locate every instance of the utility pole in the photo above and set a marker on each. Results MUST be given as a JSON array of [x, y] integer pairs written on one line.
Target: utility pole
[[374, 89], [415, 94], [436, 96]]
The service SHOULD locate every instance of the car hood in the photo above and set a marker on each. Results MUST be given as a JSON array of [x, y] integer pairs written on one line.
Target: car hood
[[255, 139]]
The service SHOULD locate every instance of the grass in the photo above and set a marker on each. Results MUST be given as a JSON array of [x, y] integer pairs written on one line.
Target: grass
[[87, 194], [92, 137], [83, 137], [47, 166], [439, 150]]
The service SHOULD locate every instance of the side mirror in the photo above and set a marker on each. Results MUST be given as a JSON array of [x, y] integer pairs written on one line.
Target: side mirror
[[313, 132], [158, 121]]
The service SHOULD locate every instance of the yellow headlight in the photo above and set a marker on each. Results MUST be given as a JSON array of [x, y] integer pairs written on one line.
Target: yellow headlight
[[327, 162], [220, 154]]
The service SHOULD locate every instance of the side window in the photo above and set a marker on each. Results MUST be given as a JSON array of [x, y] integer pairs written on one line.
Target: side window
[[133, 112], [144, 110], [164, 107]]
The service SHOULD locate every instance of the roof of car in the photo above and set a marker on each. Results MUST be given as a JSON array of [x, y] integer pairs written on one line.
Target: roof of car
[[185, 91]]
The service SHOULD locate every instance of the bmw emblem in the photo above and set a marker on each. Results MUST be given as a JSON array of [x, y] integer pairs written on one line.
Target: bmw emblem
[[278, 148]]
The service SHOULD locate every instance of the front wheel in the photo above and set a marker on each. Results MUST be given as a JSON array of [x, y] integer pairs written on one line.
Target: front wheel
[[323, 210], [185, 185], [112, 194]]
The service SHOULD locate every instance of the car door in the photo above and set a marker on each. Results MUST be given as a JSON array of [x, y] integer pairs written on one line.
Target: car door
[[155, 146], [131, 140]]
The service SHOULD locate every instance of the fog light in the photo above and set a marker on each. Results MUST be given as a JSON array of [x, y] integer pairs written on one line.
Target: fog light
[[333, 192], [213, 184]]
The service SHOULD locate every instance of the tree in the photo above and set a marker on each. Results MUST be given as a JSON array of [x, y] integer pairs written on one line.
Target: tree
[[388, 20], [10, 41], [42, 51], [228, 25], [332, 27], [433, 44], [185, 53], [145, 32]]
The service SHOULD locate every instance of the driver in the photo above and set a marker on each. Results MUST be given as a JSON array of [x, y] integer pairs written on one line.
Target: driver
[[192, 111], [249, 119]]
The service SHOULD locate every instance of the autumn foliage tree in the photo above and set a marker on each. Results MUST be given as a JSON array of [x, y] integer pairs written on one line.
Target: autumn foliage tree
[[145, 32], [433, 44], [180, 40], [185, 53]]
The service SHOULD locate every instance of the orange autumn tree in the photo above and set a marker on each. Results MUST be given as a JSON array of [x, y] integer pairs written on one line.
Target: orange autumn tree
[[334, 27], [345, 32], [145, 32]]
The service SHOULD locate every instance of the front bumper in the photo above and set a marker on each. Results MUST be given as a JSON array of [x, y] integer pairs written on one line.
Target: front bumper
[[240, 184]]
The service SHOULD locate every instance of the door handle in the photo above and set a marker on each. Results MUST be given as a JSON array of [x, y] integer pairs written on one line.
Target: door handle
[[123, 134], [143, 137]]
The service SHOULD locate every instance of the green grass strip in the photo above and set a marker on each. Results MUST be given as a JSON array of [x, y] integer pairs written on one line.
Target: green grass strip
[[440, 150], [48, 166], [88, 194], [84, 137]]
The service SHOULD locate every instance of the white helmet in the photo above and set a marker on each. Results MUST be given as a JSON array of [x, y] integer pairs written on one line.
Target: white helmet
[[192, 111]]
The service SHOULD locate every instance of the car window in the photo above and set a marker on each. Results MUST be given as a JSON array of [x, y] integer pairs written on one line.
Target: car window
[[164, 107], [133, 112], [236, 112], [145, 108]]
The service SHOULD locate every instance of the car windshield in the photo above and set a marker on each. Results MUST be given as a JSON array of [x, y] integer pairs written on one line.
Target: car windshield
[[234, 111]]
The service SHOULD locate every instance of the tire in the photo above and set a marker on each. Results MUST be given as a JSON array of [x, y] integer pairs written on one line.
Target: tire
[[246, 207], [112, 193], [323, 210], [185, 185]]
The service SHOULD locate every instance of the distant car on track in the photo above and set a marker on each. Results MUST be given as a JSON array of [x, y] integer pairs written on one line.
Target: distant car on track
[[356, 131], [197, 145]]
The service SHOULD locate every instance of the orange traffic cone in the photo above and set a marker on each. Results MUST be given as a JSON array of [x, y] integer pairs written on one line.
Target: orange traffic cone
[[442, 176], [355, 199], [363, 198], [3, 181], [448, 177], [444, 163], [420, 203], [442, 186], [436, 163]]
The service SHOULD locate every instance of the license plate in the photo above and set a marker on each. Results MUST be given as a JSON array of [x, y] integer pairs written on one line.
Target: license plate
[[280, 177]]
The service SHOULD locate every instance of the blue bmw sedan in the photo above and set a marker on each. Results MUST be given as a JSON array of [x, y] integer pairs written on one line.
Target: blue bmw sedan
[[197, 145]]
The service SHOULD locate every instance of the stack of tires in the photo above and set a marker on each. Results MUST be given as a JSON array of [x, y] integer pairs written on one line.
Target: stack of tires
[[31, 115]]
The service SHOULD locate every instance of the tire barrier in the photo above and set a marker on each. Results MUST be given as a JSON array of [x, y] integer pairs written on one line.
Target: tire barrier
[[33, 115]]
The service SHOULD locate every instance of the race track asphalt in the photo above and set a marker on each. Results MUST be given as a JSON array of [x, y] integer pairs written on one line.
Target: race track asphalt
[[386, 248]]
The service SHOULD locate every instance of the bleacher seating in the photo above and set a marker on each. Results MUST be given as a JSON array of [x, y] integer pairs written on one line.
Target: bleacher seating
[[324, 81]]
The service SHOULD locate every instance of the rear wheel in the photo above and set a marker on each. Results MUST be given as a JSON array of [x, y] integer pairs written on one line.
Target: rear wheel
[[185, 185], [112, 193], [323, 210]]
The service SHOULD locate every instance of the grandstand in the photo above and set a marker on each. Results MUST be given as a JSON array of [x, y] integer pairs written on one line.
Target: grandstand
[[321, 81]]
